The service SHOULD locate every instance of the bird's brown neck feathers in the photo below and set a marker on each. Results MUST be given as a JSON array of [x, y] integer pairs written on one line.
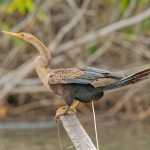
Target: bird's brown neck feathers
[[41, 63], [45, 54]]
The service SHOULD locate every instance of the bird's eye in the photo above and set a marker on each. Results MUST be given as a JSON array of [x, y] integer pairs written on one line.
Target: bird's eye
[[21, 34]]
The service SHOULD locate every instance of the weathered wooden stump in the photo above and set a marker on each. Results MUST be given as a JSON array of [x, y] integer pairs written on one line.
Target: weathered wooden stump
[[77, 133]]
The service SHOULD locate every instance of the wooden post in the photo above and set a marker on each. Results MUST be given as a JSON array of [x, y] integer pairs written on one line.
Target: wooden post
[[77, 133]]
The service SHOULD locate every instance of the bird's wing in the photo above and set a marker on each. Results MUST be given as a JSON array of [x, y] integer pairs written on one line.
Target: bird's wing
[[83, 75]]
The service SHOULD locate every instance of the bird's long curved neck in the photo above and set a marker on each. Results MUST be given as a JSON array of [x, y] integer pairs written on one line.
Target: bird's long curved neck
[[41, 63], [45, 57]]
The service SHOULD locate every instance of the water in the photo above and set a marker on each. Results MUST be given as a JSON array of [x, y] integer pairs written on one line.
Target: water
[[111, 137]]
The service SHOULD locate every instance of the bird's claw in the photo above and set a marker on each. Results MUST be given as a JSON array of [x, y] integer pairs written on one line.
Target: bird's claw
[[72, 108], [62, 111]]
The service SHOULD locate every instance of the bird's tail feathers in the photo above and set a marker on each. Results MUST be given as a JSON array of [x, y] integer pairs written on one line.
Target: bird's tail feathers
[[131, 79]]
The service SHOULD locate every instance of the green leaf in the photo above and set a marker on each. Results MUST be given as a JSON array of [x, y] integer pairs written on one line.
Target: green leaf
[[146, 23], [93, 48], [5, 1], [125, 3], [112, 1], [20, 5], [143, 1], [129, 34], [17, 41], [41, 16], [4, 26], [76, 1]]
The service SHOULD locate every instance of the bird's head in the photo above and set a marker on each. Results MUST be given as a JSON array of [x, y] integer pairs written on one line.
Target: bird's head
[[36, 42], [25, 36]]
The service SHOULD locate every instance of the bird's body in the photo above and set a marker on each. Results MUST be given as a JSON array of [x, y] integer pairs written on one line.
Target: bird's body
[[81, 92], [75, 83]]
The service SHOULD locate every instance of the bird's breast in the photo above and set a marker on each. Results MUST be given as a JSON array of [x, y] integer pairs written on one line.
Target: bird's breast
[[57, 89]]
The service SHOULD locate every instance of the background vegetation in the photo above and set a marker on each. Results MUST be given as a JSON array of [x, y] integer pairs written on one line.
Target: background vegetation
[[104, 34]]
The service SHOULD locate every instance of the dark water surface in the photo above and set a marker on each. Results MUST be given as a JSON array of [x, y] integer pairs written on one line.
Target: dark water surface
[[117, 137]]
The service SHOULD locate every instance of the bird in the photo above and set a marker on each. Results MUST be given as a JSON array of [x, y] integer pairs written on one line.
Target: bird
[[75, 83]]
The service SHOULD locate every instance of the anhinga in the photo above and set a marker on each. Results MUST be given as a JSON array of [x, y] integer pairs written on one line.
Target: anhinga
[[75, 83]]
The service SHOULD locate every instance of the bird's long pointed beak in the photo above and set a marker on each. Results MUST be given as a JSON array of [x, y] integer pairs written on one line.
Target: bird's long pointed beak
[[13, 34]]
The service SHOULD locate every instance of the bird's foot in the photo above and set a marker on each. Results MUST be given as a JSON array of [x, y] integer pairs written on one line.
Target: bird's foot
[[64, 110], [73, 108]]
